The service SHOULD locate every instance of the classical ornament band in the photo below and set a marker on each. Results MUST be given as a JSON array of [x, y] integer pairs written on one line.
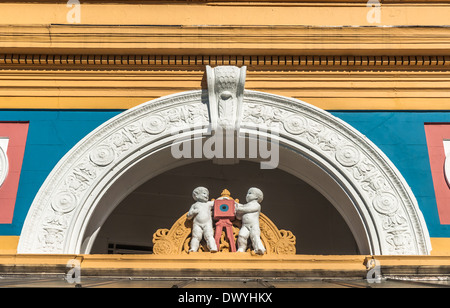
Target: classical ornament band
[[278, 62]]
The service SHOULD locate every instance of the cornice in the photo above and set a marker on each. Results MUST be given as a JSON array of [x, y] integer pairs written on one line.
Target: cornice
[[205, 40]]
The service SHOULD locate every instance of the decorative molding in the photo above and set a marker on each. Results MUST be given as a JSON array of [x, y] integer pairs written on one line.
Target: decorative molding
[[4, 166], [390, 207], [447, 162], [56, 222], [438, 136], [199, 61], [13, 139], [225, 92]]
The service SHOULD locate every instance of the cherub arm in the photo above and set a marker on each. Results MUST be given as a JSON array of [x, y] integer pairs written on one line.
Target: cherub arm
[[250, 207], [237, 212], [193, 211]]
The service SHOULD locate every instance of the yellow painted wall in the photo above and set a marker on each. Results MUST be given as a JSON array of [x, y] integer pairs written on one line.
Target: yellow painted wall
[[326, 54], [238, 12], [441, 246], [125, 89], [8, 244]]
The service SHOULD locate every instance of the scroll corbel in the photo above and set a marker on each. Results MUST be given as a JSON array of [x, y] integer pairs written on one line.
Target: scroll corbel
[[225, 93]]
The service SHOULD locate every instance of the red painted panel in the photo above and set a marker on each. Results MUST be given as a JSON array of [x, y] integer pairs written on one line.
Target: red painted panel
[[436, 134], [17, 134]]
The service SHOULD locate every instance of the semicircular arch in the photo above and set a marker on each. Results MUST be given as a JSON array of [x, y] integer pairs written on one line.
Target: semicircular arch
[[346, 167]]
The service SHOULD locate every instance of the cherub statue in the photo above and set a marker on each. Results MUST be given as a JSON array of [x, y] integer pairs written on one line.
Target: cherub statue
[[249, 214], [201, 212]]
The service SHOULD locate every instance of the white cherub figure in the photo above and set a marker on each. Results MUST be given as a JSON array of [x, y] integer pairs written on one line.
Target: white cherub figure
[[201, 212], [249, 214]]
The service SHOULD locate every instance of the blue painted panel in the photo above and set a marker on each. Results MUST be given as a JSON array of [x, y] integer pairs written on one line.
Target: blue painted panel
[[51, 134], [400, 135]]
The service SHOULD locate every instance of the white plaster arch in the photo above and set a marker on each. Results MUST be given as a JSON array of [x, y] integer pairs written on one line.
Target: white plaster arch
[[114, 159]]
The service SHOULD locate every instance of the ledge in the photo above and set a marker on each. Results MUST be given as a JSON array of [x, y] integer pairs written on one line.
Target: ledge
[[198, 265], [224, 265]]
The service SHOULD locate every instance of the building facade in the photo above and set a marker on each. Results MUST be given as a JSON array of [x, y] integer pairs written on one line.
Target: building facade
[[353, 95]]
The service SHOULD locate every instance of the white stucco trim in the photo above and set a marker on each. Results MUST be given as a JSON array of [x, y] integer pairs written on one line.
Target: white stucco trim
[[114, 159]]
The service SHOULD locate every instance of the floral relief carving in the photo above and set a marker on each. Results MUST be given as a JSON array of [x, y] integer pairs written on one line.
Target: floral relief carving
[[103, 155], [51, 239], [358, 165], [388, 202], [80, 178], [347, 155], [64, 202], [295, 124], [154, 125], [284, 246]]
